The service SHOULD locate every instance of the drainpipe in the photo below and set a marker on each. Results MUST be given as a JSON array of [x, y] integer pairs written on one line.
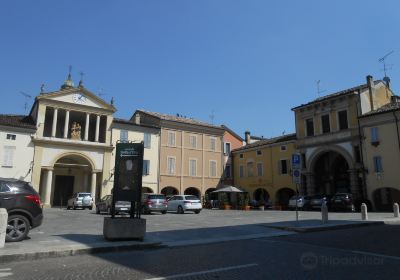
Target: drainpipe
[[360, 139], [397, 128]]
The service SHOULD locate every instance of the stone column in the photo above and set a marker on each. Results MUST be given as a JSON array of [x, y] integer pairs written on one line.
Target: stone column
[[354, 186], [87, 127], [55, 116], [310, 184], [66, 124], [93, 186], [49, 180], [97, 128]]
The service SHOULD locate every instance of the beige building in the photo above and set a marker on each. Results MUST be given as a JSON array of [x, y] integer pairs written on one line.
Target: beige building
[[72, 143], [381, 155], [191, 153], [329, 140], [131, 131]]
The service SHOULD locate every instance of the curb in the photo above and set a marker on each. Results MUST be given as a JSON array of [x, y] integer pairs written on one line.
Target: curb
[[327, 227], [78, 251]]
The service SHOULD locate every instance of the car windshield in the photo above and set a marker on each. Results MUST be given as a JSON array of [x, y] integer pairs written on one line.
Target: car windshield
[[191, 197], [83, 194], [156, 196]]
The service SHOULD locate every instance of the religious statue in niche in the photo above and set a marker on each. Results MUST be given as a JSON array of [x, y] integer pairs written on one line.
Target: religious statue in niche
[[76, 131]]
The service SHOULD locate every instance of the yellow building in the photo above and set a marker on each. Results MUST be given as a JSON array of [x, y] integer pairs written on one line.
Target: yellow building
[[329, 139], [381, 155], [263, 168]]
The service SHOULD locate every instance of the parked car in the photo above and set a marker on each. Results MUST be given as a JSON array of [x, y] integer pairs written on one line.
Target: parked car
[[23, 205], [80, 200], [154, 203], [317, 200], [182, 203], [303, 202], [342, 202], [105, 203]]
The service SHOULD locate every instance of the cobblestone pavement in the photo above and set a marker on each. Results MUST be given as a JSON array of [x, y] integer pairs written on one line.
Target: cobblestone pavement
[[292, 257]]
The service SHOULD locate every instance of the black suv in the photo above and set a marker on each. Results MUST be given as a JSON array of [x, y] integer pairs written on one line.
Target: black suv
[[23, 205]]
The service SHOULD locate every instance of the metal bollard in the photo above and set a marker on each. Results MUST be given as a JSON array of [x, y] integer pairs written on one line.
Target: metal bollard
[[364, 212], [396, 210], [3, 226], [324, 213]]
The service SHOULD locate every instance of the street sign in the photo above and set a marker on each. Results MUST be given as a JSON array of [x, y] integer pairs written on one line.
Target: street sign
[[128, 176], [296, 176], [296, 161]]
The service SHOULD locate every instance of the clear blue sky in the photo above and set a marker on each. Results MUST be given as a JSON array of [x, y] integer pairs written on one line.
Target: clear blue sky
[[249, 61]]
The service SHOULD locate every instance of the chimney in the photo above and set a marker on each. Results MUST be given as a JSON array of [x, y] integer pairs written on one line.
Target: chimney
[[386, 79], [247, 137], [137, 118], [370, 83]]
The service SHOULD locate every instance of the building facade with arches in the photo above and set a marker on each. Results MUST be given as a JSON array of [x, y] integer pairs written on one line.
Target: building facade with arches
[[263, 169], [329, 139]]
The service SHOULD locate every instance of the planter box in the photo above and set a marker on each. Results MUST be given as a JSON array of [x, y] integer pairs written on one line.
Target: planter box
[[124, 228]]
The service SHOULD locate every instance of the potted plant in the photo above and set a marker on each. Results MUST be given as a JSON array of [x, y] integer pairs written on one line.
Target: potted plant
[[245, 205]]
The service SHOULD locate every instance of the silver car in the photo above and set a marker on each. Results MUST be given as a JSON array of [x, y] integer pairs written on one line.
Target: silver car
[[154, 203], [182, 203], [80, 200], [104, 205]]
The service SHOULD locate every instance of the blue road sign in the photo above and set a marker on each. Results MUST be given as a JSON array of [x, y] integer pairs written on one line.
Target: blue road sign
[[296, 161]]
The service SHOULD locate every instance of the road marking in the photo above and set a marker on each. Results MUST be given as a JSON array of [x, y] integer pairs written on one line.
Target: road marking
[[4, 272], [49, 241], [227, 268]]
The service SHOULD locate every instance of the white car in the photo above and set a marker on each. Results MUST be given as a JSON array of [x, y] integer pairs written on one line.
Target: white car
[[182, 203], [80, 200]]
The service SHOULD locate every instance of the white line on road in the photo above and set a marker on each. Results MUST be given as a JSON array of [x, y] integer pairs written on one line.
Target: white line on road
[[227, 268], [377, 255]]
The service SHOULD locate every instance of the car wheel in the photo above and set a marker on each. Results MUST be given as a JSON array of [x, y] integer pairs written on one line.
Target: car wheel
[[17, 228], [180, 210], [197, 211], [68, 207], [163, 212]]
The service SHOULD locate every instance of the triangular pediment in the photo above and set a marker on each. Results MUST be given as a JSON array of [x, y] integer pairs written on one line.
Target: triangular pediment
[[77, 96]]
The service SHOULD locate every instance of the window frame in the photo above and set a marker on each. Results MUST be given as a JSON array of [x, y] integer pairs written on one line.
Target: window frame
[[195, 167], [329, 123], [213, 140], [241, 171], [262, 169], [121, 133], [281, 166], [9, 163], [338, 120], [148, 167], [225, 149], [11, 136], [193, 141], [212, 161], [378, 166], [173, 172], [147, 143], [173, 134], [306, 127]]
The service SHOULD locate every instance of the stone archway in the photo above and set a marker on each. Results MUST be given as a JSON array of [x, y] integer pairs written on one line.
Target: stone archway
[[261, 193], [331, 170], [283, 196], [169, 191], [147, 190], [384, 198], [71, 173], [193, 191]]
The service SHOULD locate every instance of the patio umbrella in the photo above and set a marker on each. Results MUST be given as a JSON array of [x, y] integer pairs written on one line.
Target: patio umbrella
[[229, 189]]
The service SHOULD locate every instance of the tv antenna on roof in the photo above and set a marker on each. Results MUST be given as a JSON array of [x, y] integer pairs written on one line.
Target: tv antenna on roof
[[212, 116], [27, 97], [319, 91], [386, 67]]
